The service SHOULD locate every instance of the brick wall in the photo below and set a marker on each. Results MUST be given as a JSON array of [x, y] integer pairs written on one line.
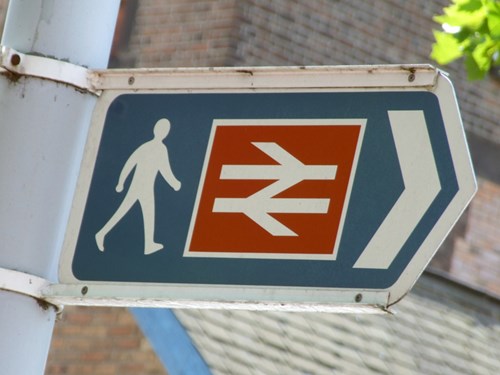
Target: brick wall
[[184, 33], [100, 341], [477, 253], [323, 32], [3, 11]]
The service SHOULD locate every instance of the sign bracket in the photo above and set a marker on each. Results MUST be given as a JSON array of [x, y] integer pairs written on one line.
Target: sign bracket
[[422, 76], [224, 297], [217, 78]]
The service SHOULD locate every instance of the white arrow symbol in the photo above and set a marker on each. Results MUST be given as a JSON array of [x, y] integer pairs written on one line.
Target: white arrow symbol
[[422, 185], [289, 172]]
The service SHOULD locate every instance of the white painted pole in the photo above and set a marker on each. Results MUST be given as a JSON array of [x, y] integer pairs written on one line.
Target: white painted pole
[[43, 126]]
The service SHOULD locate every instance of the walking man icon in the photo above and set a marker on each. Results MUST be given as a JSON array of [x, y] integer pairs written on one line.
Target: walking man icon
[[148, 160]]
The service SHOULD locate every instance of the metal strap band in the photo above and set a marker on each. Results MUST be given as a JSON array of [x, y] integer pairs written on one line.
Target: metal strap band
[[26, 284], [47, 68]]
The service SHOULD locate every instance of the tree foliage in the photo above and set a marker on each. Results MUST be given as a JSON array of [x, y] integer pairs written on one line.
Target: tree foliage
[[471, 29]]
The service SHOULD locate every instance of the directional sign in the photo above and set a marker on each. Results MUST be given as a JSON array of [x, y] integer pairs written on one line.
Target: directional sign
[[297, 188]]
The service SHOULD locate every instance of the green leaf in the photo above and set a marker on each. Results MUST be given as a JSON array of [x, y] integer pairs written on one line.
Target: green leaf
[[473, 70], [469, 5], [446, 49], [475, 34], [463, 35], [493, 20], [492, 5], [482, 55], [469, 13]]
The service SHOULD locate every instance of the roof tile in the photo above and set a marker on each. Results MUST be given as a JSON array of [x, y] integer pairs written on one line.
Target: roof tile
[[430, 334]]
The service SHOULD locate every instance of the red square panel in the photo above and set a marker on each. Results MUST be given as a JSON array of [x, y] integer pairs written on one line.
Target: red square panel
[[275, 188]]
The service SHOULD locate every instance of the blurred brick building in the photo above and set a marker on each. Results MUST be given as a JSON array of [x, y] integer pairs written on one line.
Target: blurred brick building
[[189, 33]]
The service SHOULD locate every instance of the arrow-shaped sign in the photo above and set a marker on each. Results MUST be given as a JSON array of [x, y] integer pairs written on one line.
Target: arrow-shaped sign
[[290, 171], [308, 190]]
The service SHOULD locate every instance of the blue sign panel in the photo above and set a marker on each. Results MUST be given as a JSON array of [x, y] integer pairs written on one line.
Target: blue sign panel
[[279, 189]]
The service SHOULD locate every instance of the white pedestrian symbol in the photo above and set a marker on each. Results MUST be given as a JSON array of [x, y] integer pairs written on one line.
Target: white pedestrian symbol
[[148, 160]]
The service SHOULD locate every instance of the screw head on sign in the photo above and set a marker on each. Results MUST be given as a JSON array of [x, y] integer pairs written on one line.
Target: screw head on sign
[[15, 59]]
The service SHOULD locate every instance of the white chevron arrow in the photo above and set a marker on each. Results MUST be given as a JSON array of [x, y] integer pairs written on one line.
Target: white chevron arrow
[[288, 172], [422, 185]]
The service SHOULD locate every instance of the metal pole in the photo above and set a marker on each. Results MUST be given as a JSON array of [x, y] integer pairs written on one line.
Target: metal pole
[[43, 127]]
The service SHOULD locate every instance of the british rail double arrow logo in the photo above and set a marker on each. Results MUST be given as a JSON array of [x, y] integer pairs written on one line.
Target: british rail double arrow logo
[[288, 173], [275, 188]]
